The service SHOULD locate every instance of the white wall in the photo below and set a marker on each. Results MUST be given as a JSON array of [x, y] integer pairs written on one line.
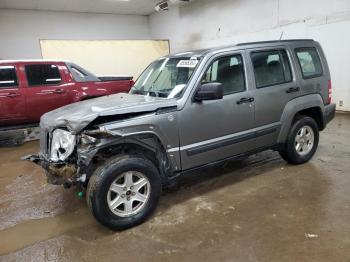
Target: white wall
[[202, 23], [206, 23], [20, 30]]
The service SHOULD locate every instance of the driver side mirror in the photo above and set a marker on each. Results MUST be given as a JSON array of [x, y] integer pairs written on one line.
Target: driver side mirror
[[209, 91]]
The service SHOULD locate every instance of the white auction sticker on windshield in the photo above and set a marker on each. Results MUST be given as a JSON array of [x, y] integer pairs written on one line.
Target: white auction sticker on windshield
[[187, 63]]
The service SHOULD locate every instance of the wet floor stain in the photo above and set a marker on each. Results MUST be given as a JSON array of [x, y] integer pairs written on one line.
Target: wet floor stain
[[256, 209]]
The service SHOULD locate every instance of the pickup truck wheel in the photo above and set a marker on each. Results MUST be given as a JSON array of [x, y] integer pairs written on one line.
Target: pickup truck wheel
[[124, 192], [302, 141]]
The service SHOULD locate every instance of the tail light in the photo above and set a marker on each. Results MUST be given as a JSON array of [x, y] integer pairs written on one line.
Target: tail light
[[329, 92], [132, 83]]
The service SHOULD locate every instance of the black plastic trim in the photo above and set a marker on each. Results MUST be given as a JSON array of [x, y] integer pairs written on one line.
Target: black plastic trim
[[329, 113], [166, 110], [218, 162], [230, 141]]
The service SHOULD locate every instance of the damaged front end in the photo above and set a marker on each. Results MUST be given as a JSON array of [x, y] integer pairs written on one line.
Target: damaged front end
[[67, 157], [77, 138], [58, 158], [61, 173]]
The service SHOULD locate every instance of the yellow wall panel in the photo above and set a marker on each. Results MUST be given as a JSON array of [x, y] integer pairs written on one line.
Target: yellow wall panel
[[107, 57]]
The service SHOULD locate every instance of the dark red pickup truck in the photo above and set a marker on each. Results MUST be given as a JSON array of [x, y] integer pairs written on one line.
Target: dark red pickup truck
[[28, 89]]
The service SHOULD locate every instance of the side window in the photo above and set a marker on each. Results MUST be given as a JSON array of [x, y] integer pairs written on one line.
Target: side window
[[46, 74], [8, 77], [77, 73], [271, 68], [228, 71], [309, 62]]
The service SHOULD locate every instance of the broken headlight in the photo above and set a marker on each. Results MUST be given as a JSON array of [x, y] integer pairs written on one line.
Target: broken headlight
[[62, 145]]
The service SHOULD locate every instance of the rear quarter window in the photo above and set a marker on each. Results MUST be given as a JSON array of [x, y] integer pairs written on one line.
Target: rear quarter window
[[309, 62], [81, 75], [8, 77], [77, 73]]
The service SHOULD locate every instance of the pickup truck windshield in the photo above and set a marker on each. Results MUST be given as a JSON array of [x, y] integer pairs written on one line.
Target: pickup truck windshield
[[166, 77]]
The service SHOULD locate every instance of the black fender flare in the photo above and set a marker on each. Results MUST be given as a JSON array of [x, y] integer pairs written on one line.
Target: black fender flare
[[143, 141], [293, 107]]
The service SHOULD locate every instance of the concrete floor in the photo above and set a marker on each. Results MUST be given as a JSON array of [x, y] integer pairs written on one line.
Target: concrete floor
[[258, 209]]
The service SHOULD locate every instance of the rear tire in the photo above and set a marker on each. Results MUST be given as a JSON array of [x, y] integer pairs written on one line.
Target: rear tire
[[302, 141], [116, 200]]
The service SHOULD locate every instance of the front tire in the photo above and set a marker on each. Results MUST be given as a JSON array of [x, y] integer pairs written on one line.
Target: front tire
[[124, 192], [302, 141]]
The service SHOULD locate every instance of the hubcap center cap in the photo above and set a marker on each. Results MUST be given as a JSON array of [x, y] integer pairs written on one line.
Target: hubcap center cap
[[128, 193]]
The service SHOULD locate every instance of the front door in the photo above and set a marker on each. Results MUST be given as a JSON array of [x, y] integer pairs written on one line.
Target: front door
[[46, 89], [218, 129]]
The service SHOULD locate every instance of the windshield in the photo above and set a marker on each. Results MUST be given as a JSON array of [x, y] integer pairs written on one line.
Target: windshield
[[166, 77]]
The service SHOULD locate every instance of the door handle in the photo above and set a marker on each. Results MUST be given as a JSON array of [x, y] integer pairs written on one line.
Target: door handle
[[12, 95], [59, 91], [293, 90], [244, 100]]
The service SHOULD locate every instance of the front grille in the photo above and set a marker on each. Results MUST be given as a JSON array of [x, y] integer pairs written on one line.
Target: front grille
[[44, 142]]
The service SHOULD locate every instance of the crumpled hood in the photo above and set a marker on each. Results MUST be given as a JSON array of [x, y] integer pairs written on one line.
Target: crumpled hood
[[78, 115]]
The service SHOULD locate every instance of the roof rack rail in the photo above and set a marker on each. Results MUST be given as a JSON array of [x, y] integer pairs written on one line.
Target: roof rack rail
[[274, 41]]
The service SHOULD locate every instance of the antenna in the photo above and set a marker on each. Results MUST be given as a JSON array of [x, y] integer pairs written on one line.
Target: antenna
[[281, 35]]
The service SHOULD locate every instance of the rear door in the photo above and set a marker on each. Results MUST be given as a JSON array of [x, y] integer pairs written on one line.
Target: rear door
[[12, 102], [46, 89], [275, 86]]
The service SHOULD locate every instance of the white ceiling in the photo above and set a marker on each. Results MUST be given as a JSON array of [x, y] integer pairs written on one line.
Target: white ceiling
[[136, 7]]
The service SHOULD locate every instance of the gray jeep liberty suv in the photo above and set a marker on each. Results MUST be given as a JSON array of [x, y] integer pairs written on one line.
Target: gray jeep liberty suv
[[187, 111]]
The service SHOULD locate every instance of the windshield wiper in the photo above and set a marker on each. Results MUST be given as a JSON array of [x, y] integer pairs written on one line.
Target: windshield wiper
[[139, 92], [159, 94], [156, 94]]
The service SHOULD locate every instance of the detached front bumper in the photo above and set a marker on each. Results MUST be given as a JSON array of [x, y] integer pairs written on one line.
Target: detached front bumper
[[61, 173]]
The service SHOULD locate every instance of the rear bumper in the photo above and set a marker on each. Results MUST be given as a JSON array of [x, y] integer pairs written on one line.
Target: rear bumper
[[329, 113]]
